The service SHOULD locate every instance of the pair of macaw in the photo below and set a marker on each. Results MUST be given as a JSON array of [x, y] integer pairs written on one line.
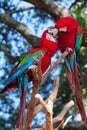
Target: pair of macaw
[[66, 33]]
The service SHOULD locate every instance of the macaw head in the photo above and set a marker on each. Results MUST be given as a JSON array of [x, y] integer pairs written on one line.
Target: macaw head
[[63, 25], [47, 36], [66, 24], [66, 30], [49, 41]]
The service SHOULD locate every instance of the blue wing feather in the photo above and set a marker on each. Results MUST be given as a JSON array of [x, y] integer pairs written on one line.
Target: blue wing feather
[[70, 63], [23, 68], [78, 42]]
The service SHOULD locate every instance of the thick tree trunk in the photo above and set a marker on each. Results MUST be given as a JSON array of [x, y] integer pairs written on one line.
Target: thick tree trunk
[[51, 7]]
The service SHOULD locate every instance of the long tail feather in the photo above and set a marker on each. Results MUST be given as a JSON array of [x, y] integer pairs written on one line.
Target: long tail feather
[[22, 109], [9, 87], [22, 84], [76, 88], [79, 97]]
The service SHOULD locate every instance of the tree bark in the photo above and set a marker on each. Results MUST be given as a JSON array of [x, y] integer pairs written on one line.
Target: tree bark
[[25, 32], [56, 10]]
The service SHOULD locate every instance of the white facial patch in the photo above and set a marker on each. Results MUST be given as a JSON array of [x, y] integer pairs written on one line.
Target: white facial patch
[[50, 37], [64, 29]]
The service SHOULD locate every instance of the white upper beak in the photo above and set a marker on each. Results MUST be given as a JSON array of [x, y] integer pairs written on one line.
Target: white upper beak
[[53, 31]]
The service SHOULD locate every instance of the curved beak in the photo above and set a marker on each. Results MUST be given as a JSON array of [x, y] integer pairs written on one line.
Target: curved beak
[[53, 31]]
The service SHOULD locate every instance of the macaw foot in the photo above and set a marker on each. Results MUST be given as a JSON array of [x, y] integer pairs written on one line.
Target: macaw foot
[[68, 49], [34, 67]]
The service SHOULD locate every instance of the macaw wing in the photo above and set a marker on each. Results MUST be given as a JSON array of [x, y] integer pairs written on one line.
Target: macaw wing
[[24, 64], [78, 38]]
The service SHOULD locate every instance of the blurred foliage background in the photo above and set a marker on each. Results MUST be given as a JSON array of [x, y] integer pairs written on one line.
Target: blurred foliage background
[[13, 45]]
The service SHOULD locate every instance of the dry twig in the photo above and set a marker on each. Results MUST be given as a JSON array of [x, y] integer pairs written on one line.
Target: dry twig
[[19, 10], [60, 117], [52, 66], [48, 107], [52, 97]]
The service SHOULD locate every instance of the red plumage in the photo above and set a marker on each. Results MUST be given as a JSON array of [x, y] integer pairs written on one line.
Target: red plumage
[[50, 47], [46, 44], [67, 38], [69, 35]]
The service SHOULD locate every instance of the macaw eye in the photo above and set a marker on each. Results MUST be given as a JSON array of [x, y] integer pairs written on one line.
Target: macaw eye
[[50, 37], [50, 30]]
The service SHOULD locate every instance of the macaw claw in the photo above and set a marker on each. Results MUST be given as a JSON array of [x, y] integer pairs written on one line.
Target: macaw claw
[[68, 49]]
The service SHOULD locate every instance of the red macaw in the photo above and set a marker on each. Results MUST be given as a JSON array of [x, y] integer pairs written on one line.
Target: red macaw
[[21, 74], [70, 35]]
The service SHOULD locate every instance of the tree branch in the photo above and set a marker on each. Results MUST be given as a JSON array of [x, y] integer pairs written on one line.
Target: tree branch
[[61, 115], [12, 59], [34, 111], [74, 3], [37, 78], [55, 64], [56, 11], [26, 33], [19, 10], [48, 107], [52, 97]]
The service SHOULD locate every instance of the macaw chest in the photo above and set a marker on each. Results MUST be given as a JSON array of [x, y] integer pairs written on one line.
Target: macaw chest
[[66, 40]]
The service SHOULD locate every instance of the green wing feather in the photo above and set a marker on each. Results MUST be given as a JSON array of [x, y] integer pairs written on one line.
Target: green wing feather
[[25, 63], [27, 58]]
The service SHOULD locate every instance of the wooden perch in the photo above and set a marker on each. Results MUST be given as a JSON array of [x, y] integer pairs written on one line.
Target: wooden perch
[[52, 66], [52, 97], [66, 121], [56, 81], [59, 118], [37, 78], [48, 107]]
